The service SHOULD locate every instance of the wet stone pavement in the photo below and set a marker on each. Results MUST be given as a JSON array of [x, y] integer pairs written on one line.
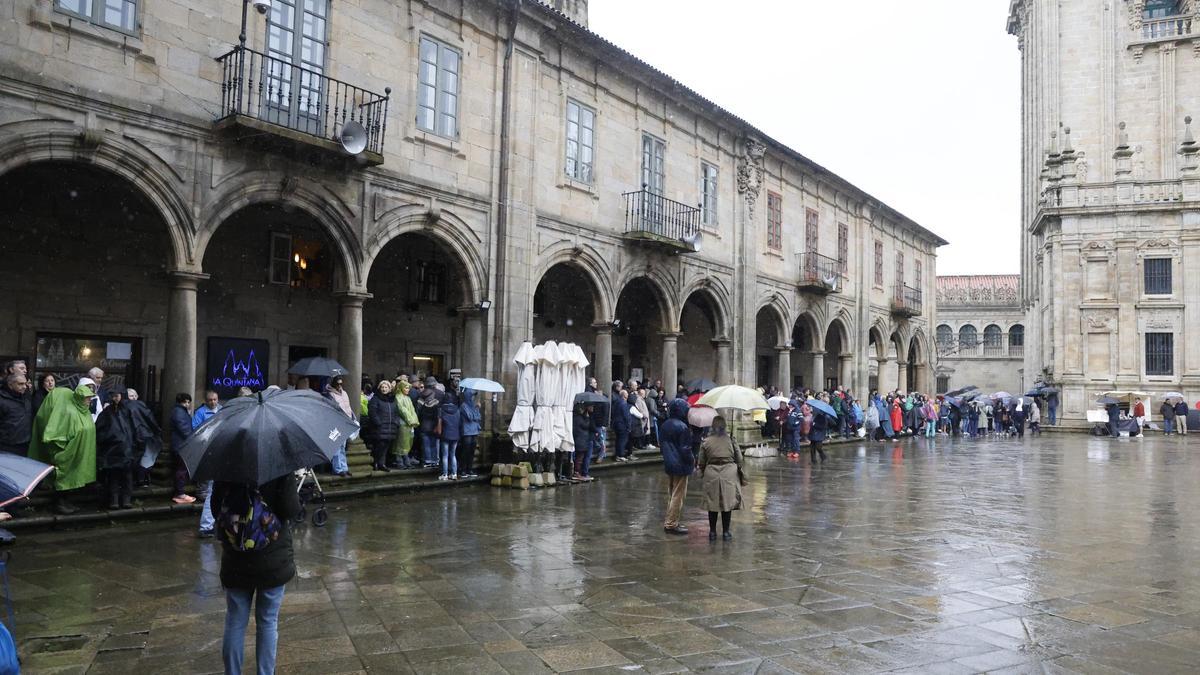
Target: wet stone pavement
[[1061, 554]]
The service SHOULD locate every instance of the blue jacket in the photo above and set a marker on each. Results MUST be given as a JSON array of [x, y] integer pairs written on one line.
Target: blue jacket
[[472, 418], [181, 426], [202, 415], [675, 439], [820, 427], [885, 416], [621, 419], [451, 421]]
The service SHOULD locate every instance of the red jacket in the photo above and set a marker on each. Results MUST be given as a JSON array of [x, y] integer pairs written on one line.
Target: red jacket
[[897, 417], [1139, 410]]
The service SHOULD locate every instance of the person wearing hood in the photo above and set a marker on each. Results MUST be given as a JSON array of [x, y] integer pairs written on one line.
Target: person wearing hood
[[675, 441], [383, 419], [1018, 417], [817, 436], [472, 424], [871, 420], [720, 466], [427, 414], [650, 398], [621, 423], [449, 432], [402, 446], [885, 418], [583, 430], [125, 431], [64, 435]]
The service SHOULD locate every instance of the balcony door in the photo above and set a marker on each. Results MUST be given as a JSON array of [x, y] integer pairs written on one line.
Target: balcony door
[[297, 35]]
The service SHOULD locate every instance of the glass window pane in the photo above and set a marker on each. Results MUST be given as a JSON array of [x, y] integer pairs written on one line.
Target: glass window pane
[[82, 7], [450, 83], [428, 74], [425, 118], [426, 96], [572, 111], [450, 58], [429, 51]]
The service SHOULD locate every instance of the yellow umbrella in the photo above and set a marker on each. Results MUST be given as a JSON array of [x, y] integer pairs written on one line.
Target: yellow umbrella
[[734, 396]]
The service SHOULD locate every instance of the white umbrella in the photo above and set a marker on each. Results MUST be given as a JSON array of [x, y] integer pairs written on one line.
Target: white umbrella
[[573, 381], [521, 426], [548, 356]]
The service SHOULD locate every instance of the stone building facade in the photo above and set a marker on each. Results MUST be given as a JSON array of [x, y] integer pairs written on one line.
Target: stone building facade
[[183, 210], [980, 333], [1111, 195]]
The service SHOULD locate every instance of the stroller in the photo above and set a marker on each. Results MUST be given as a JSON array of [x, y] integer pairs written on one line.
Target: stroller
[[310, 491]]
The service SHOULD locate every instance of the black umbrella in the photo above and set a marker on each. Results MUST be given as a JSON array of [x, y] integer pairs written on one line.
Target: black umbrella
[[961, 391], [700, 384], [318, 366], [255, 439], [590, 398], [1107, 401], [19, 476]]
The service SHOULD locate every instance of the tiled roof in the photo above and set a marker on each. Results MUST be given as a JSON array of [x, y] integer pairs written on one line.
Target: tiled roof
[[983, 289], [673, 85]]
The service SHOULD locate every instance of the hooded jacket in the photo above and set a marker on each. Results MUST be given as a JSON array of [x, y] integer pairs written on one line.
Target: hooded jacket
[[582, 426], [404, 402], [451, 421], [427, 409], [675, 439], [472, 418]]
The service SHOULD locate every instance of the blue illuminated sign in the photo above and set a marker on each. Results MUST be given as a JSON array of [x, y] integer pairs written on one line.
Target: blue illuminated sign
[[237, 362]]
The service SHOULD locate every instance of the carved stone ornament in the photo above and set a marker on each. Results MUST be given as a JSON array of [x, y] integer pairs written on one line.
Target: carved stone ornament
[[1100, 321], [1158, 243], [1136, 9], [750, 173], [1096, 246]]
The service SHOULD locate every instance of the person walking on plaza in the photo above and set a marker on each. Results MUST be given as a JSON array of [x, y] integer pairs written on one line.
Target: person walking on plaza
[[16, 415], [181, 430], [1139, 413], [720, 464], [1018, 417], [1167, 410], [338, 394], [675, 442], [427, 412], [817, 435], [1035, 419], [622, 421], [64, 435], [472, 425], [1181, 415], [383, 415], [255, 575], [398, 456], [212, 405]]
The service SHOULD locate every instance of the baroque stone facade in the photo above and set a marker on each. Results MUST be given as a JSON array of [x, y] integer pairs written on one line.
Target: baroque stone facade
[[168, 190], [1111, 196], [980, 334]]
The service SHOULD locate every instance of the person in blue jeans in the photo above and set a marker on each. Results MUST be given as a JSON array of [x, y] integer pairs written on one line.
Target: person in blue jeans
[[428, 403], [212, 405], [257, 578], [451, 420], [622, 421]]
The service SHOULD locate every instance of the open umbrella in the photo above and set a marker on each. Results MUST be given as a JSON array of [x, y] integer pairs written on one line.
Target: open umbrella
[[701, 416], [700, 384], [590, 398], [1001, 394], [482, 384], [734, 396], [256, 439], [1173, 394], [955, 401], [777, 402], [1107, 401], [317, 366], [521, 425], [962, 390], [821, 406], [19, 476]]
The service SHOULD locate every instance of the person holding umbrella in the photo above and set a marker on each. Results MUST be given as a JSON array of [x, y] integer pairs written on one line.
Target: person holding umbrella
[[720, 465], [822, 414], [1167, 410]]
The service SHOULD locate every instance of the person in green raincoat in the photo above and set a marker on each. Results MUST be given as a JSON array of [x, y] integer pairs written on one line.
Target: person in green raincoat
[[408, 421], [65, 435]]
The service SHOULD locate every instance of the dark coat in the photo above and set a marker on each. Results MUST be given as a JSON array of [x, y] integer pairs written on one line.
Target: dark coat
[[181, 426], [124, 433], [675, 440], [427, 409], [472, 418], [274, 565], [16, 421], [820, 427], [1181, 410], [383, 417], [1167, 411], [583, 426], [451, 421], [621, 419]]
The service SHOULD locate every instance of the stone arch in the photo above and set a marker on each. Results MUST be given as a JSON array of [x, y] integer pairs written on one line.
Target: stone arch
[[445, 228], [263, 188], [145, 171], [813, 326], [592, 266], [662, 285], [778, 311], [878, 334], [844, 323], [718, 297]]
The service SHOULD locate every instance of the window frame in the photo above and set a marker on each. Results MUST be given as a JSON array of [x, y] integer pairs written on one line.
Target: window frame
[[585, 171], [812, 231], [879, 263], [1163, 358], [965, 344], [284, 240], [98, 6], [899, 273], [774, 221], [439, 89], [1151, 12], [1017, 330], [844, 249], [1168, 263], [654, 164], [709, 193]]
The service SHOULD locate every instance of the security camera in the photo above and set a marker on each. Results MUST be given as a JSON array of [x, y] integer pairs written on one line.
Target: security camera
[[261, 6]]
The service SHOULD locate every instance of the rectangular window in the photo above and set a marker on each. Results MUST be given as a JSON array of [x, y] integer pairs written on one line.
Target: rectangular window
[[843, 249], [654, 176], [943, 383], [437, 88], [1160, 353], [917, 273], [708, 193], [117, 14], [280, 269], [430, 282], [1157, 276], [581, 129], [899, 272], [878, 263], [296, 37], [774, 221], [812, 232]]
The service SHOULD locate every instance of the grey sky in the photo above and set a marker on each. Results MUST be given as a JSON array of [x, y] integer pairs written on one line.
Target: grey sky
[[917, 103]]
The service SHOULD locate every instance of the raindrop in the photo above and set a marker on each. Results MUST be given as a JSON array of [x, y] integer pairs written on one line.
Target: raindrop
[[73, 194]]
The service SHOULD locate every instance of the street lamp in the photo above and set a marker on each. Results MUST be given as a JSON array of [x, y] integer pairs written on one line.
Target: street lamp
[[260, 6]]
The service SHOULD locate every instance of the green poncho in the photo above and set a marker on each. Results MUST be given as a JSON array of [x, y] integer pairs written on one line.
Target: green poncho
[[408, 419], [65, 436]]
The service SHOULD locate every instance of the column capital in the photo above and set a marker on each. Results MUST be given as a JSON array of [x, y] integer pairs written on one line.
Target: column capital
[[186, 279], [721, 342], [784, 349], [817, 352], [902, 364], [469, 310], [352, 298], [603, 327], [846, 355], [670, 336]]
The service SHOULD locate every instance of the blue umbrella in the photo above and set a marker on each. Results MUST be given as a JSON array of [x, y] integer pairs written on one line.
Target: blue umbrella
[[821, 406], [19, 476], [482, 384]]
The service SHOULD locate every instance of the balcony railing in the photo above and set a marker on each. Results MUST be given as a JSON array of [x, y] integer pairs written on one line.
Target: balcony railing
[[1169, 27], [655, 219], [274, 95], [1016, 350], [821, 273], [906, 301]]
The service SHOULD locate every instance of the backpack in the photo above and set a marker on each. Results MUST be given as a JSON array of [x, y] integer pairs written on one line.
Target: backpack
[[246, 522]]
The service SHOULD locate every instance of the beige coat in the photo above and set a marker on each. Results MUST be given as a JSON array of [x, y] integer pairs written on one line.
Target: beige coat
[[720, 458]]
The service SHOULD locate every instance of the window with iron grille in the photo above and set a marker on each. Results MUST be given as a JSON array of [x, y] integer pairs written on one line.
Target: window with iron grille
[[1157, 272], [943, 384], [1016, 340], [431, 282], [993, 339], [437, 89], [878, 263], [708, 193], [581, 129], [116, 14], [945, 337], [843, 248], [968, 338], [812, 231], [774, 221], [1160, 353], [280, 269]]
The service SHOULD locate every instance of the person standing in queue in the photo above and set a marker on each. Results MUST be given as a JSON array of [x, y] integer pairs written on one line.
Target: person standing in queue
[[675, 443]]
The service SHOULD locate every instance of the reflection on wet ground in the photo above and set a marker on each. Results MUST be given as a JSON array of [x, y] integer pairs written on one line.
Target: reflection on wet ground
[[1064, 554]]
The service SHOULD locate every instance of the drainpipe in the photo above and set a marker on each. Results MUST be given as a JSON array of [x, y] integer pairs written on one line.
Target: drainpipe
[[499, 298]]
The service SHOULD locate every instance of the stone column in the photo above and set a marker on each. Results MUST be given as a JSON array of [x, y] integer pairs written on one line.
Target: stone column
[[603, 365], [883, 379], [179, 370], [350, 341], [902, 376], [818, 371], [785, 368], [724, 368], [670, 364], [846, 372], [473, 329]]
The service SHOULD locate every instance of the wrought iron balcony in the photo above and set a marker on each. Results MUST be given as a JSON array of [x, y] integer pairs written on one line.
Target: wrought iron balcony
[[820, 273], [906, 301], [267, 96], [655, 220]]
